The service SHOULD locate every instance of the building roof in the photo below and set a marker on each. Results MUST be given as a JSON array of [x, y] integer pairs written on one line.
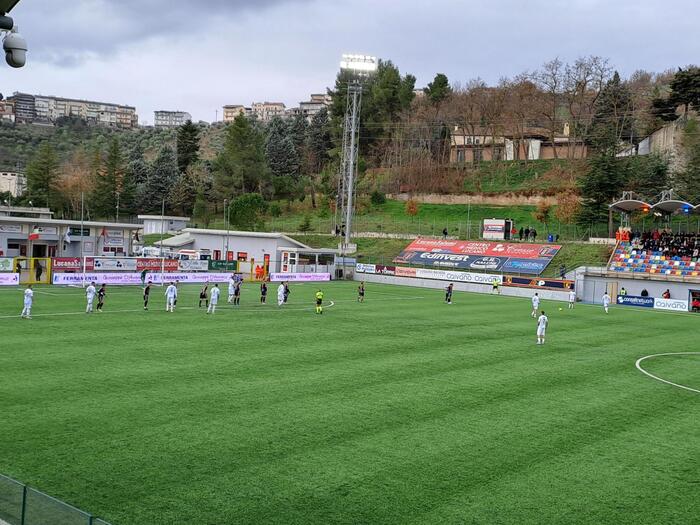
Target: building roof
[[61, 222], [259, 235], [178, 241], [163, 217]]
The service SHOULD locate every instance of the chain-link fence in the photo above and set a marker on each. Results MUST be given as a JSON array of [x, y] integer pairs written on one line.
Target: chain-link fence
[[23, 505]]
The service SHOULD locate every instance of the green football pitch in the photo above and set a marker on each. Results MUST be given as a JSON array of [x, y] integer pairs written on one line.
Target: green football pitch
[[399, 410]]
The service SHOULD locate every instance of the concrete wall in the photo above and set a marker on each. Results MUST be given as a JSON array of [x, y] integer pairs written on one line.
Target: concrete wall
[[590, 288], [255, 247], [494, 200], [549, 295]]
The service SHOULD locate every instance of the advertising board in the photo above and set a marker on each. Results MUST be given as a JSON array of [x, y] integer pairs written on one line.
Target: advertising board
[[300, 277], [635, 300], [9, 279], [674, 305], [131, 278]]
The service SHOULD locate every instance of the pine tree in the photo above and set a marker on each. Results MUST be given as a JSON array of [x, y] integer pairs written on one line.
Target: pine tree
[[187, 145], [162, 176], [241, 166], [42, 174], [603, 182], [438, 90], [612, 119], [685, 88], [687, 181], [108, 183], [282, 159]]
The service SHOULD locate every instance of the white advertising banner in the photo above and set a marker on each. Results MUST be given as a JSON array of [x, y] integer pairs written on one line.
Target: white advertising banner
[[365, 268], [193, 266], [460, 277], [114, 264], [300, 277], [135, 278], [675, 305], [494, 229], [10, 228], [9, 279]]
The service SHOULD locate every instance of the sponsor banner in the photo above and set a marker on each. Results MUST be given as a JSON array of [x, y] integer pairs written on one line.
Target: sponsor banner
[[477, 248], [6, 264], [66, 263], [186, 265], [385, 270], [45, 230], [365, 268], [77, 232], [494, 229], [462, 277], [113, 264], [114, 234], [487, 263], [10, 228], [135, 278], [113, 241], [634, 300], [230, 266], [675, 305], [546, 284], [154, 265], [532, 266], [404, 272], [9, 279], [300, 277]]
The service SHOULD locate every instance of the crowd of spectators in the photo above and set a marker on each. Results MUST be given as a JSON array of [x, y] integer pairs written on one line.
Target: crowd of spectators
[[667, 243]]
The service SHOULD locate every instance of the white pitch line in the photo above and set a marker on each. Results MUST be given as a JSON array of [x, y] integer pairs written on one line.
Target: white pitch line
[[639, 367], [232, 308]]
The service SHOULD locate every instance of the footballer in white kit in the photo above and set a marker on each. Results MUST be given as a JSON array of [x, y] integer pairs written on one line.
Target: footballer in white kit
[[535, 305], [170, 296], [606, 301], [280, 294], [90, 297], [213, 299], [231, 288], [572, 299], [542, 322], [28, 300]]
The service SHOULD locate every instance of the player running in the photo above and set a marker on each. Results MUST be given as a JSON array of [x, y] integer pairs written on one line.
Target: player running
[[319, 302], [361, 292], [263, 292], [535, 305], [572, 299], [606, 302], [495, 286], [101, 297], [146, 295], [214, 299], [542, 323], [231, 288], [90, 297], [177, 283], [170, 296], [28, 301], [280, 295], [448, 293], [204, 295]]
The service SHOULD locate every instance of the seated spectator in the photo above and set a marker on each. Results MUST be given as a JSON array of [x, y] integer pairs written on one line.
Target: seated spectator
[[644, 293], [666, 294]]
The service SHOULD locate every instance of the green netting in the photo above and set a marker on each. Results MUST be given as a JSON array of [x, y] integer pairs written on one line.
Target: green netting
[[10, 500]]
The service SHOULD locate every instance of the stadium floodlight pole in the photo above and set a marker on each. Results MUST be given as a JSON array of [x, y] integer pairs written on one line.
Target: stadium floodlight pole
[[160, 247], [227, 229], [82, 232], [359, 67]]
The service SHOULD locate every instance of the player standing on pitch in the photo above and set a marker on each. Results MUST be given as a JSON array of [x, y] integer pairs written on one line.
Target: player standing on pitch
[[572, 299], [319, 302], [287, 291], [170, 296], [214, 299], [535, 305], [101, 297], [204, 295], [263, 292], [361, 292], [28, 300], [90, 297], [280, 295], [542, 323], [448, 293], [606, 301], [231, 288], [494, 286], [237, 294], [146, 295]]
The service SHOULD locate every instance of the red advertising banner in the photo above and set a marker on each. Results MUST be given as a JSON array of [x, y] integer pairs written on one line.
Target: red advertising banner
[[405, 272], [479, 248], [154, 265], [66, 264]]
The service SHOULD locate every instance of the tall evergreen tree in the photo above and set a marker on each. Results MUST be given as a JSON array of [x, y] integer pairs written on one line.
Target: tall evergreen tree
[[187, 145], [42, 174], [687, 181], [612, 118], [438, 90], [605, 179], [241, 166], [162, 176], [108, 183], [685, 88], [283, 160], [318, 142]]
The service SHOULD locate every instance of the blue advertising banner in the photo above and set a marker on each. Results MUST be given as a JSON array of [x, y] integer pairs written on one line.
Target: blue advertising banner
[[531, 266], [634, 300]]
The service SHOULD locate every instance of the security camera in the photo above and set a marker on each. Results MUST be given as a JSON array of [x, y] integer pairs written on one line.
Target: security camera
[[15, 47]]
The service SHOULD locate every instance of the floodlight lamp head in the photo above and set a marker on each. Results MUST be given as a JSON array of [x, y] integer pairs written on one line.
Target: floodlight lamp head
[[362, 65]]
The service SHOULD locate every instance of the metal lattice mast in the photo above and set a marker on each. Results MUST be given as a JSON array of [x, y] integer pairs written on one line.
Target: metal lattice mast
[[350, 155]]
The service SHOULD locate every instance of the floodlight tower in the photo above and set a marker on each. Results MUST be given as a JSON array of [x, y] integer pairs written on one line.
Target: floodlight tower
[[360, 67]]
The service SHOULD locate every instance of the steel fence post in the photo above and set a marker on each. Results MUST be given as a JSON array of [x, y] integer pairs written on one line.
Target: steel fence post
[[24, 504]]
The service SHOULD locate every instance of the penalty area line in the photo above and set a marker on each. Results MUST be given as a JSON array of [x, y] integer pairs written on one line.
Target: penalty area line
[[638, 364]]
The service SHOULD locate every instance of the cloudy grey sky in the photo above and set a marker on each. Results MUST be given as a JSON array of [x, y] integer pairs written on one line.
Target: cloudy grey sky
[[198, 55]]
